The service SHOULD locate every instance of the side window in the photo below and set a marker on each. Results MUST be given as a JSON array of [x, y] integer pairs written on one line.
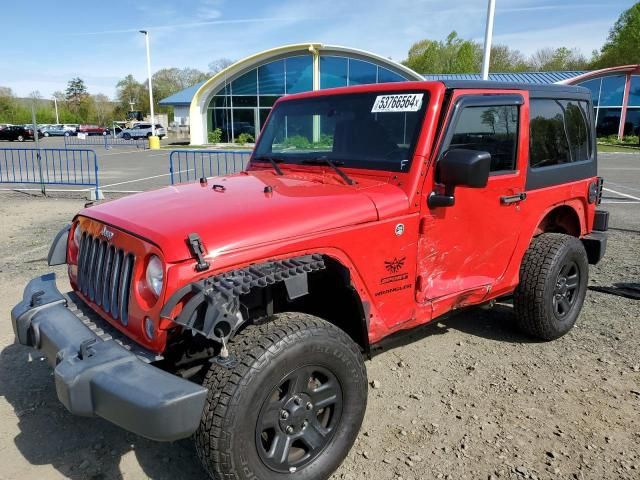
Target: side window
[[559, 132], [492, 129], [576, 118]]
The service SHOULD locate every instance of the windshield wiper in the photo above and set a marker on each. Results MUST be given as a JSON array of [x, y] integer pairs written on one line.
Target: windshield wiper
[[272, 160], [324, 160]]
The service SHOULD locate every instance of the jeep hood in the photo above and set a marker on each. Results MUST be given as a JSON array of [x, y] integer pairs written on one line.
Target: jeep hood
[[247, 209]]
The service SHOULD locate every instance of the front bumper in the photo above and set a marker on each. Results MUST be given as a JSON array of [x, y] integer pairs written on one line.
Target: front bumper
[[97, 377]]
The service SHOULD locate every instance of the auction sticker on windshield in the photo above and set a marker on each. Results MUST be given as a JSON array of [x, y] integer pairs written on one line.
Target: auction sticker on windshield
[[410, 102]]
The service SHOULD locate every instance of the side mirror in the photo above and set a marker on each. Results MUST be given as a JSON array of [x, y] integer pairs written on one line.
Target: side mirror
[[460, 167]]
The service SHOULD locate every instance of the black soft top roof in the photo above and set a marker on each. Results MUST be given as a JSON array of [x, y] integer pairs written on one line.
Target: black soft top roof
[[538, 90]]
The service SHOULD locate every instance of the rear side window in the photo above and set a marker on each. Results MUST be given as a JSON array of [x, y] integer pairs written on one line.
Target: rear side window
[[558, 132], [492, 129]]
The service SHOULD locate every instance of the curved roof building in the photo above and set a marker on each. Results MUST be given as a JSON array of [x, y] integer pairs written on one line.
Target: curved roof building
[[238, 99]]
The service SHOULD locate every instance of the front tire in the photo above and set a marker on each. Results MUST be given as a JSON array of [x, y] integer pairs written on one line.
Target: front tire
[[291, 407], [553, 283], [20, 138]]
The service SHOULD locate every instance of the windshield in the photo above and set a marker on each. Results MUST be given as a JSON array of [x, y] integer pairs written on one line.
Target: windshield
[[375, 130]]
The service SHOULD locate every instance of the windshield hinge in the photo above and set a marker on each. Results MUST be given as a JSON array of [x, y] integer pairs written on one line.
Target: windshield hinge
[[197, 250]]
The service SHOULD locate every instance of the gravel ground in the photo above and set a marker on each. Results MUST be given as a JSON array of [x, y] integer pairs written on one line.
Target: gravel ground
[[469, 397]]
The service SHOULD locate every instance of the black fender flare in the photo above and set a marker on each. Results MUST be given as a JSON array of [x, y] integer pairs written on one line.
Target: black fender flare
[[211, 306], [58, 250]]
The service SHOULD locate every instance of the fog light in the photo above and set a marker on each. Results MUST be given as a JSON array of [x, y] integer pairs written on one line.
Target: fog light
[[149, 328]]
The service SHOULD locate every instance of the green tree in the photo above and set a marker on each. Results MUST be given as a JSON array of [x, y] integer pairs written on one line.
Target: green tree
[[453, 55], [623, 44], [130, 90], [76, 95], [7, 105], [504, 59], [102, 109], [563, 58], [168, 81]]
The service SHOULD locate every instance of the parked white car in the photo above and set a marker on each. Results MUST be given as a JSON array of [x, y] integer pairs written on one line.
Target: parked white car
[[71, 127], [142, 130]]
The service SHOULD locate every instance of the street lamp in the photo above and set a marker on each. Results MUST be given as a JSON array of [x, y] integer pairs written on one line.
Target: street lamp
[[55, 103], [488, 37], [153, 120]]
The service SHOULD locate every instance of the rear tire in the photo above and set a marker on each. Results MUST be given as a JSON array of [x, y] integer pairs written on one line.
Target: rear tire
[[290, 408], [20, 138], [126, 136], [553, 283]]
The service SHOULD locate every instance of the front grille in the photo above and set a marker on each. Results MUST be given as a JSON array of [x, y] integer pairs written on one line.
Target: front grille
[[104, 276]]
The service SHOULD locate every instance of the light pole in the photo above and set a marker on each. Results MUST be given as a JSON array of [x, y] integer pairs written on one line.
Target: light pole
[[488, 37], [55, 103], [153, 120]]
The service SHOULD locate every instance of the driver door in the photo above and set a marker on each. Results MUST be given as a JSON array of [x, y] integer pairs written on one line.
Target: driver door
[[464, 249]]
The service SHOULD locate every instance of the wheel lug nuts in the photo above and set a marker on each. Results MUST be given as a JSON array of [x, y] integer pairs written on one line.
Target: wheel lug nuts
[[309, 405], [304, 425], [298, 401], [289, 429], [284, 414]]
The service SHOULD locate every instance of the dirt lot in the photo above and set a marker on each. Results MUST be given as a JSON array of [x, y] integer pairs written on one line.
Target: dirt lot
[[468, 398]]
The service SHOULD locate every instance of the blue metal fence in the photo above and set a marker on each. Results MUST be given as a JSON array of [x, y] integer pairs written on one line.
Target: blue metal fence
[[107, 141], [190, 165], [49, 166]]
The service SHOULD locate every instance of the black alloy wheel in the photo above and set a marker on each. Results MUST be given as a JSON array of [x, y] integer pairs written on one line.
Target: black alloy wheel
[[564, 294], [298, 418]]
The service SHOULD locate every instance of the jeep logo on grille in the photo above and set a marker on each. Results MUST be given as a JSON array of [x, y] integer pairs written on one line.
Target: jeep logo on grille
[[106, 233]]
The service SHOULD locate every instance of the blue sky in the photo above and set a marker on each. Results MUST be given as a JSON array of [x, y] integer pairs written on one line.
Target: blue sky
[[46, 43]]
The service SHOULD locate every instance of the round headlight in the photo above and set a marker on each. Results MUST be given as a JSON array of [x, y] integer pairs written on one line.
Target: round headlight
[[155, 275], [77, 235]]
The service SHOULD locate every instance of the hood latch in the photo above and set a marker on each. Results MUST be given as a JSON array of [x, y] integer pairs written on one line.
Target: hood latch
[[197, 250]]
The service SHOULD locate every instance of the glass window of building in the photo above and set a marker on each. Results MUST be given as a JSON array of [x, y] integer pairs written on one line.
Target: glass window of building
[[299, 74], [632, 122], [333, 72], [608, 121], [385, 76], [361, 73], [634, 91], [271, 78], [593, 85], [246, 84], [612, 91]]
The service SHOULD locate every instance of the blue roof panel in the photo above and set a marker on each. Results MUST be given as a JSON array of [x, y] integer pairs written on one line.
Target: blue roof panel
[[540, 78], [183, 97]]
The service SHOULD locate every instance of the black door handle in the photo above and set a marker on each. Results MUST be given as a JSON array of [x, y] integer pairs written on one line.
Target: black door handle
[[507, 199]]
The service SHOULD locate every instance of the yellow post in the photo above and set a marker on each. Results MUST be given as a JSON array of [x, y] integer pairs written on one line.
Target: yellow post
[[154, 142]]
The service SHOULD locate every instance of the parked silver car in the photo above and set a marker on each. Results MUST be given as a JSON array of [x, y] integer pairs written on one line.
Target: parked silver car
[[142, 130], [56, 131]]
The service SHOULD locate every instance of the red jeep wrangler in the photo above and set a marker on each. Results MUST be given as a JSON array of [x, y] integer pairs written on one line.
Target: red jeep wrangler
[[239, 309]]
